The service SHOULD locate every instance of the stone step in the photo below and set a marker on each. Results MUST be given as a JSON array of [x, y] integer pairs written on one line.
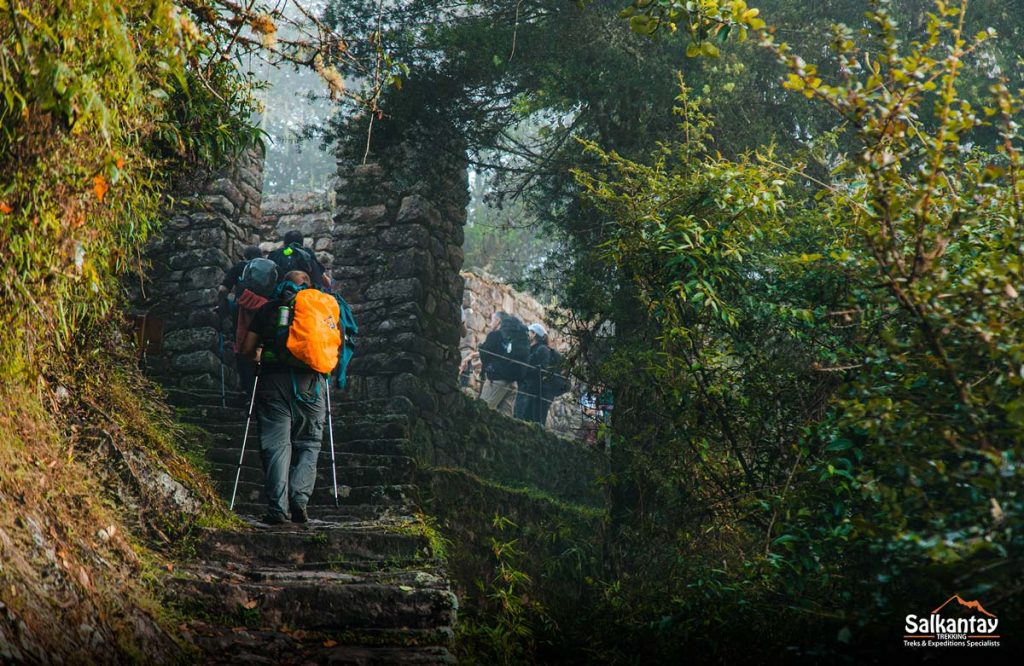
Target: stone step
[[240, 645], [386, 495], [349, 513], [192, 398], [383, 447], [317, 543], [406, 575], [214, 413], [233, 429], [274, 648], [319, 604], [228, 457], [348, 475]]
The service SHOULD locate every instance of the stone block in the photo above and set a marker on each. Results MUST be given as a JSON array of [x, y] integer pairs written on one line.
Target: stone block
[[362, 216], [191, 339], [177, 223], [415, 208], [415, 390], [210, 256], [198, 297], [199, 318], [408, 323], [406, 289], [218, 203], [412, 235], [226, 188], [349, 230], [199, 238], [197, 362], [406, 362], [412, 262], [203, 276]]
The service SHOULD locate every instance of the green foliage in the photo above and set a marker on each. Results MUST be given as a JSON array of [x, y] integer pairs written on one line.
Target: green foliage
[[818, 388], [503, 631], [707, 21], [95, 97], [927, 432]]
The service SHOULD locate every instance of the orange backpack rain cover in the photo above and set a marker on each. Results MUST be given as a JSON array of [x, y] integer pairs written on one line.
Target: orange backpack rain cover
[[314, 336]]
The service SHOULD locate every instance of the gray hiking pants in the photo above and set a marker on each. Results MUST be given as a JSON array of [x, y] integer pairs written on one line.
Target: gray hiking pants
[[291, 431]]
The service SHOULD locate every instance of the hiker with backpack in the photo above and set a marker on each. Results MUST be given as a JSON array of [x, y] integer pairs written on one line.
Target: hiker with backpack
[[299, 331], [503, 356], [542, 381], [294, 256], [254, 286]]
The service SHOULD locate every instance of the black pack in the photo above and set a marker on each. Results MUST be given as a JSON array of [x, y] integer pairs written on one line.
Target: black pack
[[516, 339], [296, 257], [259, 276], [555, 382]]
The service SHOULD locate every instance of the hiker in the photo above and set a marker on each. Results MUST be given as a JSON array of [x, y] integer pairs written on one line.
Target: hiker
[[252, 287], [226, 292], [234, 274], [294, 256], [503, 355], [531, 404], [291, 394]]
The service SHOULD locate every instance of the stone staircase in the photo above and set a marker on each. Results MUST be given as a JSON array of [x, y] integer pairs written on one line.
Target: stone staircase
[[358, 584]]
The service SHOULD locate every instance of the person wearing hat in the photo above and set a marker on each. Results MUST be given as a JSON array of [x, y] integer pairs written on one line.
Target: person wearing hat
[[531, 404]]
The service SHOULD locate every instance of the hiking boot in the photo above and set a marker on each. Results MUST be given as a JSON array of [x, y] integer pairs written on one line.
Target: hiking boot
[[299, 514], [273, 518]]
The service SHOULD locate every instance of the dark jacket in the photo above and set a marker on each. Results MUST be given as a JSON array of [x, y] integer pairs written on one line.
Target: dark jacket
[[540, 359], [296, 257], [494, 356]]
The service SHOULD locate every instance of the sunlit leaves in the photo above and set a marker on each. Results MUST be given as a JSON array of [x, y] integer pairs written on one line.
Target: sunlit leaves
[[704, 20]]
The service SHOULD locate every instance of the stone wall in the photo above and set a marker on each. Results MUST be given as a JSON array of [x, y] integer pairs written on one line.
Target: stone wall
[[512, 452], [203, 235], [397, 250], [312, 213]]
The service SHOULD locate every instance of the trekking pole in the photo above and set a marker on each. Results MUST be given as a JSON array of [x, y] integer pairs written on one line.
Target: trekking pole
[[220, 340], [248, 419], [330, 430]]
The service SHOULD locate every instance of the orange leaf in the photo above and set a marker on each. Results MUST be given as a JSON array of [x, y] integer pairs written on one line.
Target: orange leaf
[[330, 643], [5, 209], [99, 186]]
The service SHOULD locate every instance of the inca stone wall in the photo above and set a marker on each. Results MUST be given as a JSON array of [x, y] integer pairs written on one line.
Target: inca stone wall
[[397, 254], [311, 213], [202, 236]]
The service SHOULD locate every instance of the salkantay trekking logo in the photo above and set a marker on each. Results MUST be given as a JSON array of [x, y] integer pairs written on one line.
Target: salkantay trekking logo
[[977, 629]]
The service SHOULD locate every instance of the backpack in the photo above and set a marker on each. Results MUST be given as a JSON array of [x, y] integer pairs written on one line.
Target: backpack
[[517, 348], [349, 330], [555, 383], [296, 257], [312, 337], [259, 276]]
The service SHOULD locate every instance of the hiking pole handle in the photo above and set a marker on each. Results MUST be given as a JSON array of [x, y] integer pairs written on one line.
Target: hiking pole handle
[[245, 437]]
